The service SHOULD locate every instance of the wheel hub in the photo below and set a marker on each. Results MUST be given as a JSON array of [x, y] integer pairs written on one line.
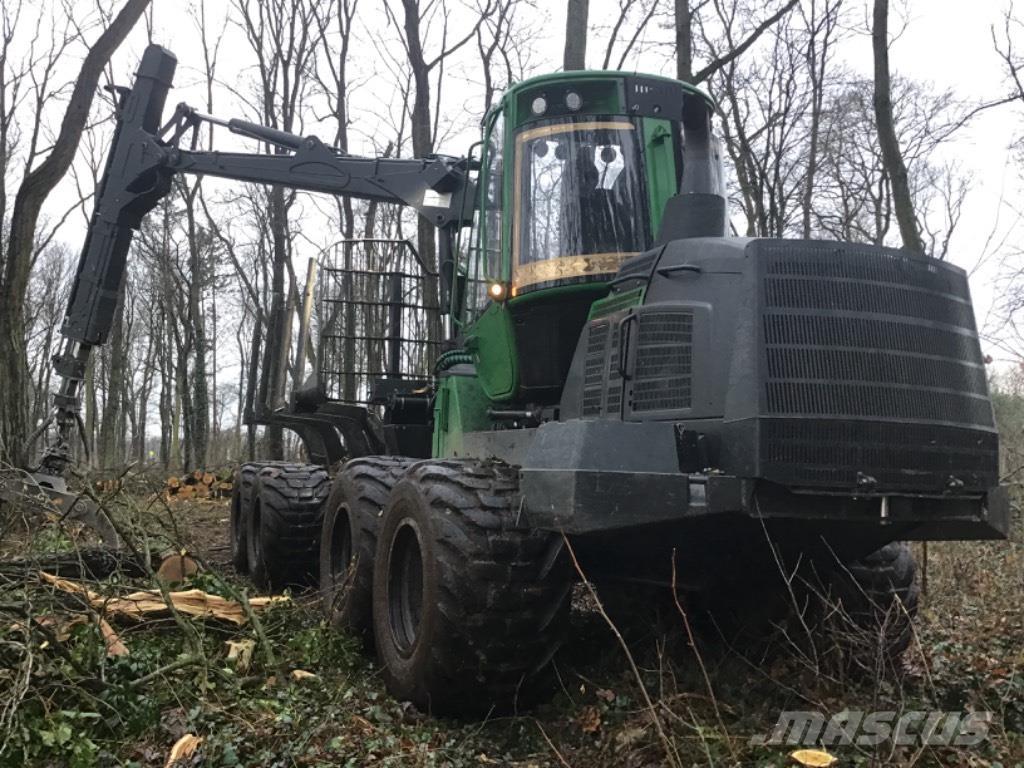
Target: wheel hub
[[405, 588]]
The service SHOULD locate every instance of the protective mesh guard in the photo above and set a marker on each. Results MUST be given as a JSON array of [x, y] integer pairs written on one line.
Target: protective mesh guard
[[377, 315], [870, 367]]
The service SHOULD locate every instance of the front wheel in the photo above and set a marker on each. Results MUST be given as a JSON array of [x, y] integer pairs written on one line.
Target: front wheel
[[469, 606], [870, 605]]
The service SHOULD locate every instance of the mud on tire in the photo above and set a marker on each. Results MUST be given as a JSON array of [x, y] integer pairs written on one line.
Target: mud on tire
[[284, 524], [348, 539], [469, 605]]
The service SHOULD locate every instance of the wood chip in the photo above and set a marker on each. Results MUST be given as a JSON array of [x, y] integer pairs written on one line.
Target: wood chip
[[115, 646], [814, 758], [183, 749]]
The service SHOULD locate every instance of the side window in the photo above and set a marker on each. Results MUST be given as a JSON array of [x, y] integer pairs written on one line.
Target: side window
[[485, 253]]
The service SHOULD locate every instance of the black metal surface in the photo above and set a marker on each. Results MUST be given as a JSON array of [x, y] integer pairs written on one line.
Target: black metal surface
[[871, 367]]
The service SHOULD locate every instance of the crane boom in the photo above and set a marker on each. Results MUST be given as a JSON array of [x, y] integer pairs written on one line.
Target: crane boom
[[144, 158]]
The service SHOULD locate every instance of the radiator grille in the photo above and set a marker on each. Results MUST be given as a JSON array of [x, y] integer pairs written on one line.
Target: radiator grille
[[613, 407], [874, 298], [594, 368], [663, 369], [871, 365], [898, 456]]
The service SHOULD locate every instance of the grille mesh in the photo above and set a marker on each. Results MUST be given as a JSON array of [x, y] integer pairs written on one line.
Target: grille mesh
[[662, 376], [593, 369], [871, 365], [898, 456]]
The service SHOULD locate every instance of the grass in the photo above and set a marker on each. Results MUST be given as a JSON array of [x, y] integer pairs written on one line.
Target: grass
[[69, 705]]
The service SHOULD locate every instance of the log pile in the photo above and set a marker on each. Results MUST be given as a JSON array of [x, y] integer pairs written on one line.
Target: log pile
[[199, 484]]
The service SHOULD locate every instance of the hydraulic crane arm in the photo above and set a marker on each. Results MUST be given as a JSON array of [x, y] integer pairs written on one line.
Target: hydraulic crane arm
[[143, 160]]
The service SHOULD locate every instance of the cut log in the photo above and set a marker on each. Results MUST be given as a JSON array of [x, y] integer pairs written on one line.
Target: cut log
[[173, 483], [176, 568], [93, 563], [208, 479]]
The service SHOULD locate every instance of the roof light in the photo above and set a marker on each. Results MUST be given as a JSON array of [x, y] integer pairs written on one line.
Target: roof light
[[573, 101], [539, 106]]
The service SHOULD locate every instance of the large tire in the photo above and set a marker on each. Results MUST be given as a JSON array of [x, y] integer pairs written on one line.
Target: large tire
[[469, 604], [348, 540], [871, 605], [241, 504], [284, 524]]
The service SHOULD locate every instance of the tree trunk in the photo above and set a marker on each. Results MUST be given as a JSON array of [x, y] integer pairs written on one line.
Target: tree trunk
[[684, 41], [28, 203], [109, 453], [277, 345], [422, 145], [575, 56], [197, 322], [888, 142]]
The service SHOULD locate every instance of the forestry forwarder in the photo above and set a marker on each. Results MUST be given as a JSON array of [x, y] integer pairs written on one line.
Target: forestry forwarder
[[678, 406]]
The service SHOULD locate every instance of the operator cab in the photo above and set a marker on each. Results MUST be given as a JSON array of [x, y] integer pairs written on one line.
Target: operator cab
[[576, 172]]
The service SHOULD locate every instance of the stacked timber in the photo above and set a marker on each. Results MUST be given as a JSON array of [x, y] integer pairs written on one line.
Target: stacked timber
[[199, 484]]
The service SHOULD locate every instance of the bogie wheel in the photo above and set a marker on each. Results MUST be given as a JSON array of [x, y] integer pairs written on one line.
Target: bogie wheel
[[469, 605], [868, 606], [284, 524], [241, 504], [348, 539]]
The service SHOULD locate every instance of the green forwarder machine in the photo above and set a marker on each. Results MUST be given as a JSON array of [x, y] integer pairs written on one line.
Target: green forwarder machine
[[622, 384]]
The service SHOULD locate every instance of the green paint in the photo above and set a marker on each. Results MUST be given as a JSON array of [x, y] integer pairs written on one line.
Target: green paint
[[660, 162], [491, 341], [616, 302], [599, 289], [490, 337], [459, 407]]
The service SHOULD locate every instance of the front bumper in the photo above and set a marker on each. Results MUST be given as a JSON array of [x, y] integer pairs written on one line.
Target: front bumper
[[583, 477]]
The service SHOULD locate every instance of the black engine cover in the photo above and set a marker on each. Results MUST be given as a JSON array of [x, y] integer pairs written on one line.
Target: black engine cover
[[812, 364]]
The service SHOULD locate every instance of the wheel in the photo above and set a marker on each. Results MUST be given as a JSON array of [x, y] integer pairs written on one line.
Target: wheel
[[870, 604], [241, 503], [348, 539], [284, 524], [469, 605]]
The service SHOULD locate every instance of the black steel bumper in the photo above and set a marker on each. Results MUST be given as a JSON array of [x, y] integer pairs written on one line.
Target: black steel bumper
[[598, 476]]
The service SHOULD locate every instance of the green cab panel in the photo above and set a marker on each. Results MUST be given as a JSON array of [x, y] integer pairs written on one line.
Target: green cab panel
[[492, 344], [459, 407]]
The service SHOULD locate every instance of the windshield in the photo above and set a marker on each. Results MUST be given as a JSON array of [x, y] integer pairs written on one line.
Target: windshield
[[581, 200]]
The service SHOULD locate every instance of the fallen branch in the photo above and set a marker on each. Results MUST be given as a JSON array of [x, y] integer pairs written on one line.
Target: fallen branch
[[149, 602]]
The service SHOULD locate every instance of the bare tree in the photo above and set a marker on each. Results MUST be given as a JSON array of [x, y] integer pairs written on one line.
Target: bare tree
[[28, 202], [424, 118], [283, 35], [576, 14], [892, 155], [733, 17]]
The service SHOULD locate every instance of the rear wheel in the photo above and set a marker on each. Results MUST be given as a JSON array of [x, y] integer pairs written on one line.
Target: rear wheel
[[469, 606], [284, 524], [348, 539]]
